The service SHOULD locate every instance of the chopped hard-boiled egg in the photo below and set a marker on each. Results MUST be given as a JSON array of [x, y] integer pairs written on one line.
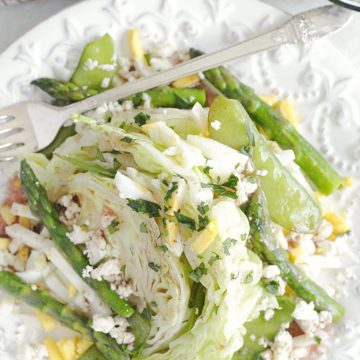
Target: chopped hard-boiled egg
[[6, 214], [347, 181], [81, 345], [205, 238], [296, 254], [287, 111], [47, 322], [340, 226], [136, 49], [271, 100], [67, 348], [23, 254], [186, 81], [25, 222], [53, 349], [4, 243]]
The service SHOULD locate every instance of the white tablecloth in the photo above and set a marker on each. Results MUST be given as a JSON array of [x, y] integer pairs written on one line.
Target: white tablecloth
[[15, 20]]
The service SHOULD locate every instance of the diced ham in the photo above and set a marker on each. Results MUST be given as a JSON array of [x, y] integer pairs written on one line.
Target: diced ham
[[16, 193]]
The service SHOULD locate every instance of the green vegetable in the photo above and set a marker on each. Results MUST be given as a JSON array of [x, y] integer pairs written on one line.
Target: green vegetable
[[97, 62], [63, 93], [265, 328], [92, 353], [228, 243], [64, 314], [186, 220], [221, 190], [154, 266], [89, 166], [64, 133], [47, 214], [171, 97], [141, 118], [145, 207], [196, 303], [231, 182], [198, 272], [290, 205], [263, 244], [277, 128]]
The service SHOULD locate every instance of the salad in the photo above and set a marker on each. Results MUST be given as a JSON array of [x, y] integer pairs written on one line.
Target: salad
[[173, 224]]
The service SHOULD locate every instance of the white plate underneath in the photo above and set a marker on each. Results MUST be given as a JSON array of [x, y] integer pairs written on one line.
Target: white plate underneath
[[322, 84]]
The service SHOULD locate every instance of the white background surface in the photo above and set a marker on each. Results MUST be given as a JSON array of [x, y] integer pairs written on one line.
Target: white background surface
[[15, 20]]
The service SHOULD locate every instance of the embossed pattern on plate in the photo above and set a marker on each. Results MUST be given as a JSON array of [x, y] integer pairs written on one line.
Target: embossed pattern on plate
[[318, 80]]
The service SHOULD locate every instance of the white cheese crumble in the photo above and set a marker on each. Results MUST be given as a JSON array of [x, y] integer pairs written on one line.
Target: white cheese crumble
[[78, 235], [216, 125], [90, 64], [282, 346], [106, 221], [269, 314], [103, 324], [105, 83], [128, 105], [124, 64], [270, 271], [95, 247], [146, 101], [72, 209], [159, 64]]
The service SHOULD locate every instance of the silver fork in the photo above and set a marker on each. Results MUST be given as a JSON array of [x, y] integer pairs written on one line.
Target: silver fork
[[18, 135]]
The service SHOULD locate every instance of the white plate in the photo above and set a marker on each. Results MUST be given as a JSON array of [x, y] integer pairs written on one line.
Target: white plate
[[322, 84]]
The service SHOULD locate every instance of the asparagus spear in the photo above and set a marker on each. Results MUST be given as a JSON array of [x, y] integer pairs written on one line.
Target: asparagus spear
[[263, 244], [63, 313], [181, 98], [63, 93], [46, 212], [276, 128]]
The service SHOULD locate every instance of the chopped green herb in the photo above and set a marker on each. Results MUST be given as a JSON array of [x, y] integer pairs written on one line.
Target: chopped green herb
[[173, 188], [163, 248], [153, 304], [220, 190], [186, 220], [138, 99], [122, 125], [100, 155], [231, 182], [127, 139], [165, 182], [154, 266], [216, 308], [122, 269], [148, 57], [214, 258], [249, 277], [116, 165], [203, 208], [191, 303], [143, 228], [147, 314], [247, 150], [228, 243], [233, 276], [142, 118], [317, 339], [203, 222], [198, 272], [272, 286], [113, 227], [145, 207], [206, 170]]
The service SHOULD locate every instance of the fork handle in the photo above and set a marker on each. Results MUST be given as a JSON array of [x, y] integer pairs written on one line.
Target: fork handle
[[260, 43]]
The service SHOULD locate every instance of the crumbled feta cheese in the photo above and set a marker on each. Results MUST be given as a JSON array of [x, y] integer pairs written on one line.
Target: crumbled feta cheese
[[103, 324], [159, 64], [78, 235], [267, 355], [170, 151], [201, 75], [120, 332], [269, 314], [216, 125], [164, 50], [243, 190], [249, 167], [305, 311], [270, 271], [106, 67], [282, 346], [282, 286], [90, 64], [95, 247], [105, 82], [124, 64], [86, 273], [146, 101], [72, 209], [108, 268], [32, 352], [33, 287], [252, 337], [128, 105], [263, 341]]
